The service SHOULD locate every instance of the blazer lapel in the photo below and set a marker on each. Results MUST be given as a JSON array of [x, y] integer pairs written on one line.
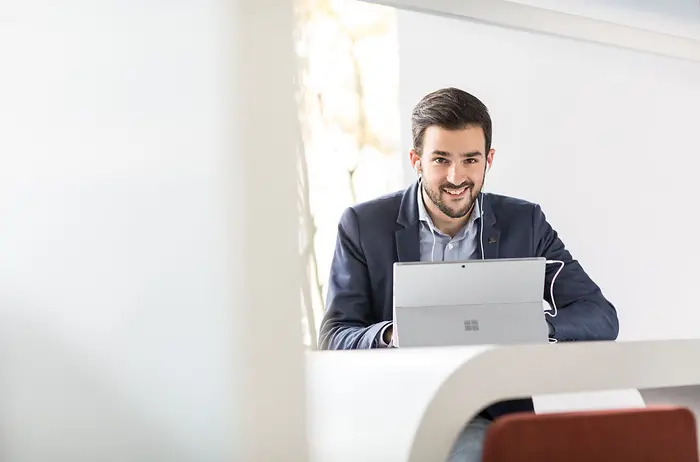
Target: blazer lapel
[[407, 237], [408, 243], [492, 234]]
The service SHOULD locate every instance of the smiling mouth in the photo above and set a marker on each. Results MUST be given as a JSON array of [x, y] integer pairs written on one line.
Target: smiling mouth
[[456, 192]]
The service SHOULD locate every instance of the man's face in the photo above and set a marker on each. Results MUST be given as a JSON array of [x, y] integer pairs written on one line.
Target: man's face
[[453, 164]]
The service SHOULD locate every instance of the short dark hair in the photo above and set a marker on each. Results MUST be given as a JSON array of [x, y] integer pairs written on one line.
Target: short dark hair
[[451, 109]]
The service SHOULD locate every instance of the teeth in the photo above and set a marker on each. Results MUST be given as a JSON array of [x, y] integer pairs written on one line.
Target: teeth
[[455, 192]]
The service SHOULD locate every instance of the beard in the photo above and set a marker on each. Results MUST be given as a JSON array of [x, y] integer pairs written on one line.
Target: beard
[[441, 199]]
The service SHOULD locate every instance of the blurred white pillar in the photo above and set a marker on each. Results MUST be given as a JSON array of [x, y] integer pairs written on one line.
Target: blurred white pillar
[[269, 310], [149, 300]]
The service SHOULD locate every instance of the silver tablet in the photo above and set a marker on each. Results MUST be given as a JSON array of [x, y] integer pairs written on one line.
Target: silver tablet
[[476, 302]]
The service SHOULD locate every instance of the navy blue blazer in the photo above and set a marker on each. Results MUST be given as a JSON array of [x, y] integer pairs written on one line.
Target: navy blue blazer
[[372, 236]]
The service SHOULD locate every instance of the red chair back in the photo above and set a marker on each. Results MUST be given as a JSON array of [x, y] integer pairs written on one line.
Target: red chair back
[[659, 434]]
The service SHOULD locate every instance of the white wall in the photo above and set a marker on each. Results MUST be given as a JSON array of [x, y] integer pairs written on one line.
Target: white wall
[[604, 139], [135, 317]]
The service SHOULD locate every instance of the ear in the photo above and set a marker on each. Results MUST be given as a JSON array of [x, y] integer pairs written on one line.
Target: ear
[[489, 159], [415, 161]]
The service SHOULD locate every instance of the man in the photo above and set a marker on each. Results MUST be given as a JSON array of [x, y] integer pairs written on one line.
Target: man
[[438, 218]]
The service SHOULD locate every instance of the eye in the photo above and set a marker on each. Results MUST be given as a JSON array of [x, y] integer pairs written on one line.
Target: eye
[[441, 160], [472, 160]]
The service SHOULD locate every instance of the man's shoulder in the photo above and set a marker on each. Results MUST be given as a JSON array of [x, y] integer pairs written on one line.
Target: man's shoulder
[[373, 217], [385, 206], [510, 207]]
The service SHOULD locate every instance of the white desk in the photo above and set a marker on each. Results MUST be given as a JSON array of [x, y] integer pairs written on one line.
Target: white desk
[[409, 405]]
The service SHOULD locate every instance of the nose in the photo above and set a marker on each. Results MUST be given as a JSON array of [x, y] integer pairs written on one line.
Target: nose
[[456, 174]]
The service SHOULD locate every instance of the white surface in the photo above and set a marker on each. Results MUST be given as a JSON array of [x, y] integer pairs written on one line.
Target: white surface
[[617, 25], [410, 404], [366, 405], [597, 400], [604, 139], [674, 17], [132, 297]]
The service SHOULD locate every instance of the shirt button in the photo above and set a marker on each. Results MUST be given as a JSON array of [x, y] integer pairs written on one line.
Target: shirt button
[[449, 246]]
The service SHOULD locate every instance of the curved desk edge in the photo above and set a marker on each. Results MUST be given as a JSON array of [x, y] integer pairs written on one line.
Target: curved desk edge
[[521, 371]]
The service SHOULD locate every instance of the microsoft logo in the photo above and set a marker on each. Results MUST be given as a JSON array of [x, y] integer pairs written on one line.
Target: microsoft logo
[[471, 325]]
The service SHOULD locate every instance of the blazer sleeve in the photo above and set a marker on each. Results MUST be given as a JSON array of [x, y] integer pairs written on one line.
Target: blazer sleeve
[[348, 322], [583, 313]]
